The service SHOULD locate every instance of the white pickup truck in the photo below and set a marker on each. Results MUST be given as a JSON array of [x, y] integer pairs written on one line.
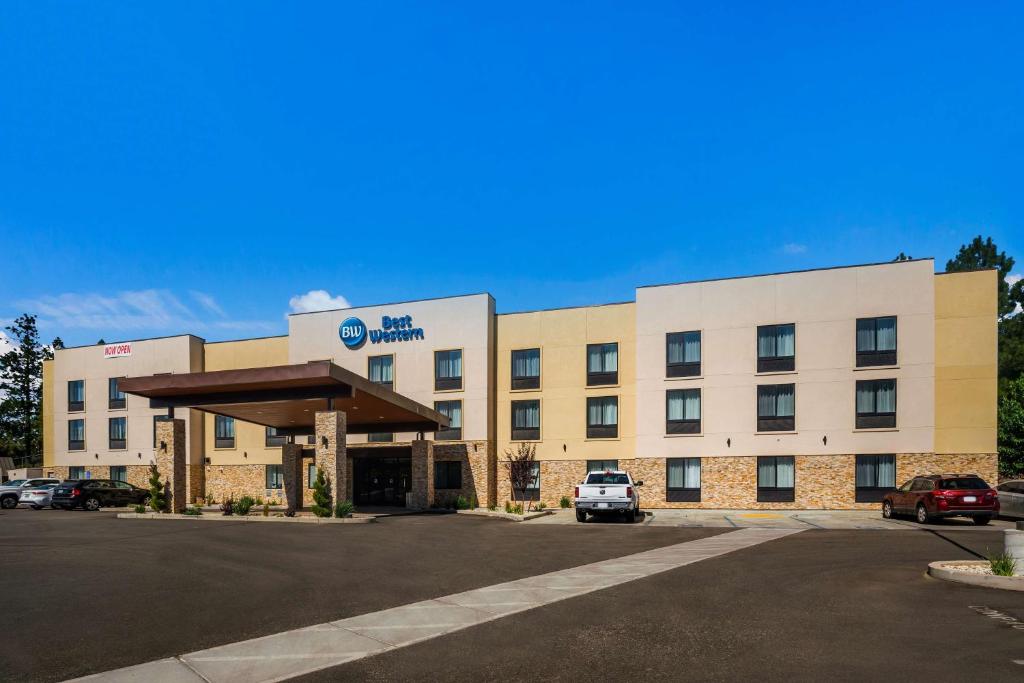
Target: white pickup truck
[[603, 493]]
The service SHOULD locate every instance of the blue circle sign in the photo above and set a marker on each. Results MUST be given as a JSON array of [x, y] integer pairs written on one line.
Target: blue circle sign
[[352, 332]]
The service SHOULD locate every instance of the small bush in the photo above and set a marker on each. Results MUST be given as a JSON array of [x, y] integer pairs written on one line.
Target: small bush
[[344, 508], [266, 509], [462, 503], [1002, 564], [492, 508], [228, 506], [565, 502], [508, 506], [511, 509], [321, 494], [540, 505], [157, 497], [193, 510], [140, 509], [473, 502], [244, 504]]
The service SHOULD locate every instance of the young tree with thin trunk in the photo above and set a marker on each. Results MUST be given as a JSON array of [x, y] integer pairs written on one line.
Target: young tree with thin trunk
[[519, 467]]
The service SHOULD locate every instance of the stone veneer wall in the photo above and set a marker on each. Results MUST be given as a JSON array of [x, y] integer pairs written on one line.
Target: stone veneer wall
[[223, 481], [476, 457]]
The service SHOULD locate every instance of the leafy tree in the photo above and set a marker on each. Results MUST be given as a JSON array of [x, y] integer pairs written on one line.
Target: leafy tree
[[1011, 428], [519, 466], [903, 257], [981, 254], [321, 494], [157, 497], [21, 390]]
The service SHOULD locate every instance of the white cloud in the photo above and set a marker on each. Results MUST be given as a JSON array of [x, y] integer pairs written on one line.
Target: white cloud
[[1012, 279], [793, 248], [208, 302], [5, 343], [317, 300]]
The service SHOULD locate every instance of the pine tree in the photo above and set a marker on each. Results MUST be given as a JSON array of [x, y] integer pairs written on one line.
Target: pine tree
[[157, 500], [21, 391], [321, 494]]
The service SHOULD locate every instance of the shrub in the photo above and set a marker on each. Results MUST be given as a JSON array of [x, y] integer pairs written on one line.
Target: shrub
[[321, 494], [508, 506], [492, 508], [344, 508], [540, 505], [565, 502], [461, 503], [157, 499], [244, 504], [1002, 564], [193, 510], [266, 509], [516, 509], [473, 502], [140, 509], [228, 506]]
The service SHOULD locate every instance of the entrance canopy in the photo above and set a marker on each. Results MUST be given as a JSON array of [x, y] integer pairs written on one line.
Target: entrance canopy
[[287, 397]]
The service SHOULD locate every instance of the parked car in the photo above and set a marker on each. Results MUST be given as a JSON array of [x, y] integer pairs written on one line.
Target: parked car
[[38, 497], [943, 495], [92, 494], [610, 492], [1011, 498], [10, 491]]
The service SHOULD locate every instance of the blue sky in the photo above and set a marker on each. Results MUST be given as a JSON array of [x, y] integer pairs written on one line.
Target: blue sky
[[196, 167]]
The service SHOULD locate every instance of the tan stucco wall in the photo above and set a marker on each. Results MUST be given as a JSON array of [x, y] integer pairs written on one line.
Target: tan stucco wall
[[562, 336], [250, 439], [965, 362], [48, 427]]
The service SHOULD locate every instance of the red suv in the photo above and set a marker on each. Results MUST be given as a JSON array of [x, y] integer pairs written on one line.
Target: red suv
[[943, 495]]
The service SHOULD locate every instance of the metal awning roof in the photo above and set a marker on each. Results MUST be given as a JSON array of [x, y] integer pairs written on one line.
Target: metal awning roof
[[287, 397]]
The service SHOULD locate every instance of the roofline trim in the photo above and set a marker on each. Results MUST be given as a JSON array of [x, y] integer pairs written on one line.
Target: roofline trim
[[395, 303]]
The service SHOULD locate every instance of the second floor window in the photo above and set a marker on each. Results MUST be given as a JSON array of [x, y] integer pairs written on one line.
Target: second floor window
[[525, 420], [76, 435], [776, 407], [602, 364], [447, 370], [603, 417], [223, 431], [382, 370], [115, 397], [876, 341], [272, 438], [876, 404], [526, 369], [776, 348], [76, 395], [682, 411], [118, 433], [682, 354], [453, 411]]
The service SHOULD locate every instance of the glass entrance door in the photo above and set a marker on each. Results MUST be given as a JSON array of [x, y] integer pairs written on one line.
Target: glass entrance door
[[381, 481]]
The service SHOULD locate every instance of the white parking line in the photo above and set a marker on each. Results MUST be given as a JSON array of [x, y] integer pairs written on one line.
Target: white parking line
[[293, 653]]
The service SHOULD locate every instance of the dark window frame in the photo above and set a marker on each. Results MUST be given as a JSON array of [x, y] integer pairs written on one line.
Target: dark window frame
[[776, 423], [683, 426], [872, 494], [449, 383], [443, 475], [369, 365], [114, 403], [117, 444], [223, 441], [868, 359], [775, 363], [279, 477], [775, 494], [271, 441], [76, 406], [451, 433], [76, 472], [682, 494], [682, 368], [121, 469], [380, 437], [603, 469], [602, 431], [876, 420], [602, 378], [524, 433], [76, 445], [520, 382]]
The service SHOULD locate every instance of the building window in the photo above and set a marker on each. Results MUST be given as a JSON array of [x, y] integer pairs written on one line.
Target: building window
[[602, 466], [448, 474], [310, 475], [532, 490], [602, 364], [223, 431], [156, 418], [525, 420], [526, 369], [272, 438], [776, 479], [76, 472], [776, 348], [776, 407], [76, 435], [380, 437], [876, 341], [682, 479], [682, 411], [76, 395], [603, 417], [275, 476], [453, 411], [875, 476], [447, 370], [117, 431], [682, 354], [382, 370], [119, 473], [115, 397], [876, 404]]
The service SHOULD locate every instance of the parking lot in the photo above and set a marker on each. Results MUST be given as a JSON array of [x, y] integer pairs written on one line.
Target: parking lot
[[86, 593]]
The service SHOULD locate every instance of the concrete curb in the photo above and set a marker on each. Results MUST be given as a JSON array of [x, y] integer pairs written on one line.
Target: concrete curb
[[247, 518], [938, 570], [506, 515]]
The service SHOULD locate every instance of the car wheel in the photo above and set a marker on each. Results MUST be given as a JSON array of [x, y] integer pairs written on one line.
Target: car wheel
[[581, 515], [922, 514], [638, 514], [8, 502], [887, 509], [92, 504], [982, 520]]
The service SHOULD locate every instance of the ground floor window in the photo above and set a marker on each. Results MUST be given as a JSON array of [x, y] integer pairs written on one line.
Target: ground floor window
[[275, 477], [682, 478], [776, 479], [448, 474], [310, 475], [875, 476], [119, 473], [380, 437], [532, 490], [602, 465], [76, 472]]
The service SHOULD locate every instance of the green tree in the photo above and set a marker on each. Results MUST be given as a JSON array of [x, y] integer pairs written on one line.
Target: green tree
[[981, 254], [157, 498], [321, 494], [1011, 428], [903, 257], [21, 389]]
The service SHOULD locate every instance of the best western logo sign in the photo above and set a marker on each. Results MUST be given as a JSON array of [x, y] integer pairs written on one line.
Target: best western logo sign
[[353, 331], [117, 350]]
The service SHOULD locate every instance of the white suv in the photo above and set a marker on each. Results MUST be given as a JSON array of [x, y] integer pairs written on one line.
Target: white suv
[[10, 491]]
